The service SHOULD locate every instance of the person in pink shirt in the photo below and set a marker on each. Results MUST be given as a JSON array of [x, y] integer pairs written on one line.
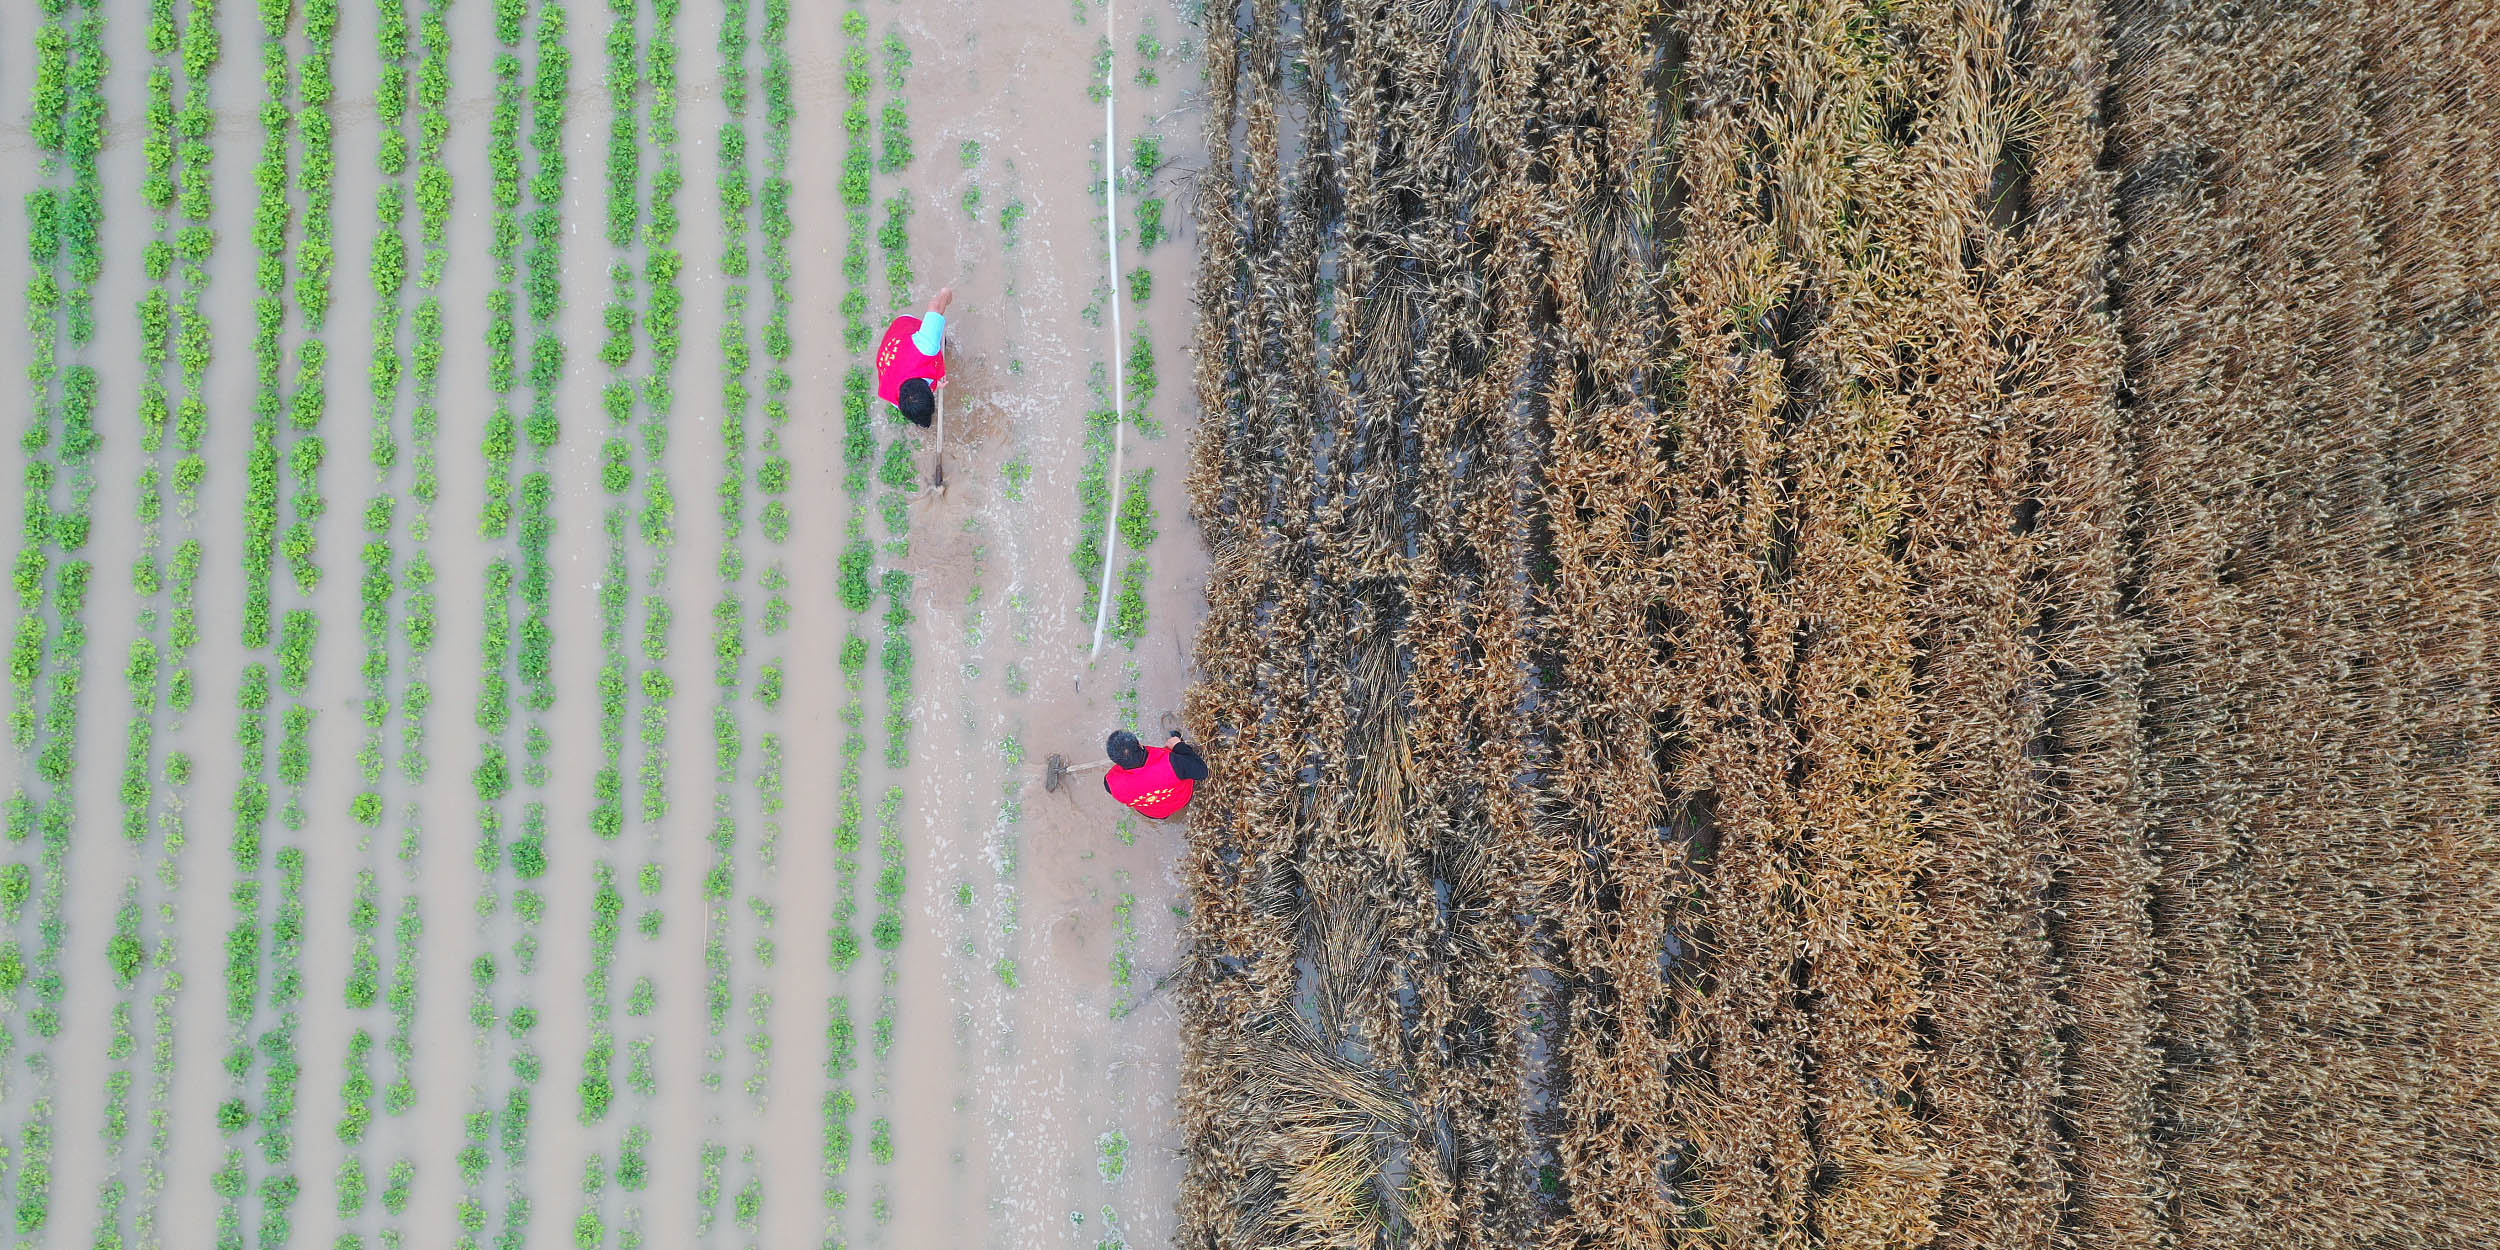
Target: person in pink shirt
[[911, 361]]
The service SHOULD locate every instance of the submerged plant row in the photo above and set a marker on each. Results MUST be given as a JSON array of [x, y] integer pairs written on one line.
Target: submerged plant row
[[291, 610]]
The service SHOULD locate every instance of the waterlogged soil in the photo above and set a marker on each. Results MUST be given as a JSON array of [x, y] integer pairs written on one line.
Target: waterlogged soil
[[1032, 1064], [1030, 1086]]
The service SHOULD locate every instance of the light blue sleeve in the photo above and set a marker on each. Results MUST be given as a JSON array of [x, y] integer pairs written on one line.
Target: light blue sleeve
[[930, 338]]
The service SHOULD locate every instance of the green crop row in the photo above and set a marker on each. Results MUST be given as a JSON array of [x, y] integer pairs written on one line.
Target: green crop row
[[356, 1114], [773, 473], [1093, 492], [59, 755], [138, 783], [657, 506], [269, 231], [57, 816], [533, 662], [34, 1171], [707, 1190], [894, 138], [607, 912], [624, 143], [537, 582], [193, 241], [520, 588], [243, 938], [895, 659], [734, 190], [319, 169], [1128, 604], [44, 974], [607, 813], [657, 688], [48, 116], [662, 320], [149, 664], [433, 190], [378, 585], [888, 929], [278, 1187], [73, 221], [856, 584], [314, 257], [82, 203], [402, 999], [494, 700], [894, 238], [597, 1089]]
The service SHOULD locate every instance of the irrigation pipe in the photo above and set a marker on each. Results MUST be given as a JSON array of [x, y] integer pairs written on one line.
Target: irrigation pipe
[[1119, 398]]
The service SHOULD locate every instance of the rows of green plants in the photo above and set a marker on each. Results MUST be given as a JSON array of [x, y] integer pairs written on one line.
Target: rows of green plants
[[127, 948], [655, 529], [363, 992], [433, 194], [607, 910], [844, 947], [887, 931], [383, 580], [770, 805], [45, 205], [243, 945], [663, 319], [858, 180], [279, 1188], [182, 636], [839, 1105], [773, 472], [597, 1086], [494, 1018], [271, 219], [309, 402], [735, 186], [299, 628], [388, 272], [64, 218], [550, 94], [246, 947], [193, 241]]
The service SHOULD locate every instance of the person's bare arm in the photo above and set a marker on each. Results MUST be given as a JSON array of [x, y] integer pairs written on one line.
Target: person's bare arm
[[943, 300]]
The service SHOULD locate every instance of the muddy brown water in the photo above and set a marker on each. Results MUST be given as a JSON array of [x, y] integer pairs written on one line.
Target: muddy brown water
[[1017, 1055]]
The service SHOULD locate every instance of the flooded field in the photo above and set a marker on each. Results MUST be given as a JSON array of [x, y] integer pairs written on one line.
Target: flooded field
[[510, 746]]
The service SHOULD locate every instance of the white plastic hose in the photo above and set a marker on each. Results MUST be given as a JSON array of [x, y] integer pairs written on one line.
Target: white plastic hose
[[1119, 384]]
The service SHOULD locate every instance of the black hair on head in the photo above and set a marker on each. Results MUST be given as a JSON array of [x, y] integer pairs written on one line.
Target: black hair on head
[[918, 401], [1124, 749]]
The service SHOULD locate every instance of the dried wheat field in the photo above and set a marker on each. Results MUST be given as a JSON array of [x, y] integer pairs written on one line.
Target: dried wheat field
[[1848, 624], [1819, 623]]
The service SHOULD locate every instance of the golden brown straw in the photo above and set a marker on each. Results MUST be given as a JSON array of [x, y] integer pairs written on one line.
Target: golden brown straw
[[1847, 624]]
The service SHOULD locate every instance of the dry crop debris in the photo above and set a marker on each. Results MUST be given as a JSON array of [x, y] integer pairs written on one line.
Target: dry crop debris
[[1846, 624]]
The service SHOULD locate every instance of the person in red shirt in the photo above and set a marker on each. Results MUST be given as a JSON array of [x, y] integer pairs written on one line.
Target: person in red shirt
[[1157, 781], [911, 361]]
